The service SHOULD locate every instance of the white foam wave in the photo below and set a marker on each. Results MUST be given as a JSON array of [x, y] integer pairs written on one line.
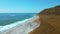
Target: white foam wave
[[22, 27], [1, 26], [11, 25]]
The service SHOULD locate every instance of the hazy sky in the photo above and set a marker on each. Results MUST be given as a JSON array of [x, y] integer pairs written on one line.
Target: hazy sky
[[26, 6]]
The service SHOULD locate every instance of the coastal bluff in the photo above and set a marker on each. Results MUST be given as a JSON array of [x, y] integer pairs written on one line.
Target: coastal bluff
[[49, 21]]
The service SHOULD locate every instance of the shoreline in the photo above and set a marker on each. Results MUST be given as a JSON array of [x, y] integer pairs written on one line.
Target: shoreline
[[28, 25]]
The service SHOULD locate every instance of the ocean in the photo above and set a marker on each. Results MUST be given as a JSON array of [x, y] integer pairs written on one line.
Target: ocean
[[9, 18], [18, 23]]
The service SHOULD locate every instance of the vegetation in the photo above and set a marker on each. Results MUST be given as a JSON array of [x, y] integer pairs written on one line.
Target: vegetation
[[51, 11]]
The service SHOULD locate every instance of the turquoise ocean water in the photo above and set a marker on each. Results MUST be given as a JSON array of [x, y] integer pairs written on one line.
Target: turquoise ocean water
[[9, 18]]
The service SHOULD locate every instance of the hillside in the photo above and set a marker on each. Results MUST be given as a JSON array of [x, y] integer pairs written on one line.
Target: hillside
[[49, 21], [51, 11]]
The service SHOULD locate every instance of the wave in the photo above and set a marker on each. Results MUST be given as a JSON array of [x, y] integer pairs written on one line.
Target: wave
[[12, 25], [1, 26], [27, 25]]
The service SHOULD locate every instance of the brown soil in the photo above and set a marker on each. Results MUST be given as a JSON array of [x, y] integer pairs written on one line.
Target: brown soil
[[50, 21]]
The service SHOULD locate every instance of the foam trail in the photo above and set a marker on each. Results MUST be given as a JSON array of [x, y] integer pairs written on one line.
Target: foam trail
[[2, 28], [20, 27]]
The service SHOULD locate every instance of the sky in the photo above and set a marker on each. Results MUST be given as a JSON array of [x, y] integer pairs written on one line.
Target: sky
[[26, 6]]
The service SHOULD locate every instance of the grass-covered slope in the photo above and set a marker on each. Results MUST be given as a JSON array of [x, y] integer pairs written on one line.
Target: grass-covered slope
[[49, 21]]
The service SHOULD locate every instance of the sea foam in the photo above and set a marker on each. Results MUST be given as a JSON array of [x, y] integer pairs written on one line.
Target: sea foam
[[12, 25], [20, 27]]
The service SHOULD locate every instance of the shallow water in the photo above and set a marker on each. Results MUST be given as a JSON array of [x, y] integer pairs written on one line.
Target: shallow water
[[9, 18], [20, 27]]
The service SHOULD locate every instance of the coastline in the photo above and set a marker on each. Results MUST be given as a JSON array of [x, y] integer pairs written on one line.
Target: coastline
[[26, 26]]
